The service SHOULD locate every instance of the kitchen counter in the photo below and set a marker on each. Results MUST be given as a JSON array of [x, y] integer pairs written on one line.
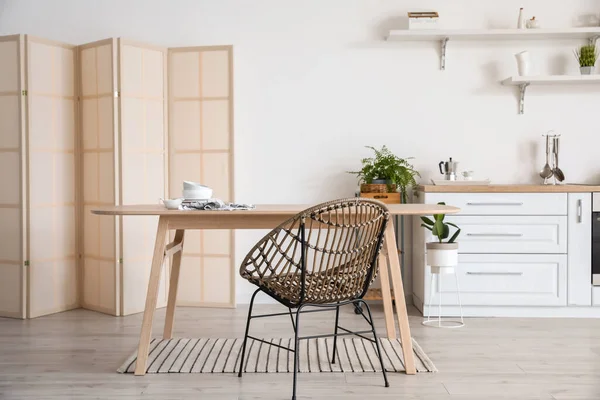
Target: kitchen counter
[[512, 188]]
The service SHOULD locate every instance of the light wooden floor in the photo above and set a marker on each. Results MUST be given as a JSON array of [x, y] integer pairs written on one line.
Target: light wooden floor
[[74, 355]]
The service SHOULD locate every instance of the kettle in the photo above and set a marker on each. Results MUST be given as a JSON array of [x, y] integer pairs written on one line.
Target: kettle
[[449, 169]]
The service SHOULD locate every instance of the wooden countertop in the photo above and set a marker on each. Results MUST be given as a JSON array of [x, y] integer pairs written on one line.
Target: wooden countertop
[[513, 188]]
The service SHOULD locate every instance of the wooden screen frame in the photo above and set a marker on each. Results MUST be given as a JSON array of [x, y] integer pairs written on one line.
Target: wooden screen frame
[[231, 153], [22, 206], [115, 177], [121, 43], [61, 307]]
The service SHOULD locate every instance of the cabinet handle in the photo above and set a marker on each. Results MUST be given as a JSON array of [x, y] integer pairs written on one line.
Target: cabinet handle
[[496, 273], [495, 204], [495, 234], [579, 211]]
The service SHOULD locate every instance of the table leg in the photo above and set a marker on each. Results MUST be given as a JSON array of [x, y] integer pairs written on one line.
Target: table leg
[[173, 283], [392, 254], [151, 296], [386, 294]]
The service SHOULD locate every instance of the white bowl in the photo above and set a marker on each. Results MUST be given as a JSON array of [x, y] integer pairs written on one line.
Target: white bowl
[[188, 185], [198, 194], [172, 204]]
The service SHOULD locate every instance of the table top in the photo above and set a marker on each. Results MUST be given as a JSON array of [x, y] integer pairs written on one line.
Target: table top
[[262, 210]]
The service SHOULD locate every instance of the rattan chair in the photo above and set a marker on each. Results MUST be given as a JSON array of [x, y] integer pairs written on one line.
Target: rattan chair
[[326, 256]]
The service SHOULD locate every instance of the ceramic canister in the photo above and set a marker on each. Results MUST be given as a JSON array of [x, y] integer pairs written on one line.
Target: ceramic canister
[[523, 63]]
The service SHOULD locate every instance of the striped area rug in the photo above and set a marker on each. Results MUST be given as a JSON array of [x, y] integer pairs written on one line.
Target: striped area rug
[[222, 356]]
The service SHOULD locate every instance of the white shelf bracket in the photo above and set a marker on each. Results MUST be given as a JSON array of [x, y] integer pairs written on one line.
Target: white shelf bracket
[[523, 89], [444, 44]]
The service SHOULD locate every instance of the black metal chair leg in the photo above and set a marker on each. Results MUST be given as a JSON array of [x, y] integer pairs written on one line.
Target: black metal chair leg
[[385, 379], [337, 318], [296, 351], [246, 334]]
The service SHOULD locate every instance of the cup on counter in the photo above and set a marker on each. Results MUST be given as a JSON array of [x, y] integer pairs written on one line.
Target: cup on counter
[[467, 175]]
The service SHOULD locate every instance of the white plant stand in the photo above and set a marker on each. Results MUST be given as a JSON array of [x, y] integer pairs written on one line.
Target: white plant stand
[[445, 322]]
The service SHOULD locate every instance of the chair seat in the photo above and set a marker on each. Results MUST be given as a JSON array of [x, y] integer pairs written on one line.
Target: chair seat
[[321, 288]]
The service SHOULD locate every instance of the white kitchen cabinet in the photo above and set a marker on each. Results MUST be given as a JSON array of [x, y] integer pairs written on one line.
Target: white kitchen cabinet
[[520, 253], [580, 249], [596, 296]]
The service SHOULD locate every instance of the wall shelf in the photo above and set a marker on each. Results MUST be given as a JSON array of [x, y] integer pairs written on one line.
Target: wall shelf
[[548, 80], [444, 35]]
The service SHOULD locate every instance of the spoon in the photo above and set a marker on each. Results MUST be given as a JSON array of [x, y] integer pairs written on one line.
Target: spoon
[[546, 172], [557, 171]]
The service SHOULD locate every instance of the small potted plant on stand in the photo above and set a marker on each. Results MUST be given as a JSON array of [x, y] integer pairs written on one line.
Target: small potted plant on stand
[[587, 56], [442, 257], [386, 173]]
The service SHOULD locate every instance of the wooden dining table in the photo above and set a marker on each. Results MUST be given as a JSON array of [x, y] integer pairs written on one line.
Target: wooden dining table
[[262, 217]]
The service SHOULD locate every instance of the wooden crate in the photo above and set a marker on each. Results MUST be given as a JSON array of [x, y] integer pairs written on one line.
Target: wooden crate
[[375, 294], [387, 198]]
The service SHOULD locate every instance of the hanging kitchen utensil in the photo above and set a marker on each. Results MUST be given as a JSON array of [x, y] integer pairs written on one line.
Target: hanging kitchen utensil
[[557, 171], [546, 172]]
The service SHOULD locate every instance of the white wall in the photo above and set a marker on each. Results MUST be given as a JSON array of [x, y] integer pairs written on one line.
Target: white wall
[[314, 83]]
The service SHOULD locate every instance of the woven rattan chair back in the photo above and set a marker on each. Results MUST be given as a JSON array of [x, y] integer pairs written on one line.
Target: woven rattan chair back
[[325, 254]]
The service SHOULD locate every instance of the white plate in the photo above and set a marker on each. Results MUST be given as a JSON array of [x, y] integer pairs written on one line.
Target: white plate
[[443, 182]]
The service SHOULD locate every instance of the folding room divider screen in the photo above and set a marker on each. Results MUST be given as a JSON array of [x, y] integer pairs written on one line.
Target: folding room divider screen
[[87, 126], [201, 149], [38, 243]]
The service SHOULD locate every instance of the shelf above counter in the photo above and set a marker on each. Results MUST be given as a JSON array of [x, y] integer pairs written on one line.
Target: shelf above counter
[[548, 80], [551, 80], [444, 35], [493, 34]]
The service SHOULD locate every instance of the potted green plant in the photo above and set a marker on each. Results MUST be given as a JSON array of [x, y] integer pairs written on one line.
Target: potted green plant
[[587, 56], [388, 171], [441, 256]]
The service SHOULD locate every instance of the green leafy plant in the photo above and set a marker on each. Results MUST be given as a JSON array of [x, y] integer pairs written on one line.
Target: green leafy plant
[[586, 55], [440, 229], [389, 167]]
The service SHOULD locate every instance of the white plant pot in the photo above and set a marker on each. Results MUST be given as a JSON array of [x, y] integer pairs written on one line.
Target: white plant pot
[[523, 63], [587, 70], [442, 257]]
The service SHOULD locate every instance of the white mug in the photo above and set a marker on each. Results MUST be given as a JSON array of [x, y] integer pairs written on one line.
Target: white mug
[[523, 63]]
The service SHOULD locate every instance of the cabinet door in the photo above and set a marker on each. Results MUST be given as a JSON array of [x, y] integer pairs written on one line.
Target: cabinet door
[[579, 249], [51, 101], [100, 272], [142, 108], [12, 270], [504, 280], [201, 150]]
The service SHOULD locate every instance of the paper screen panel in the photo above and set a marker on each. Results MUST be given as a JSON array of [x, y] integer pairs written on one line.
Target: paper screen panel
[[201, 150], [52, 225], [97, 70], [143, 137], [12, 273]]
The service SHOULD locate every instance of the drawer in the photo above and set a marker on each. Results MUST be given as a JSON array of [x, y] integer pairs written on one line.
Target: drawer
[[512, 234], [503, 203], [505, 280]]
